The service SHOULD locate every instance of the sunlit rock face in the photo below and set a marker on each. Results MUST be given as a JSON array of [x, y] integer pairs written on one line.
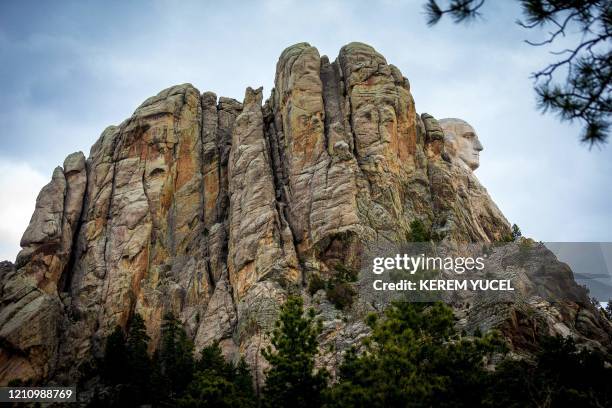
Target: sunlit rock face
[[461, 142], [216, 210], [464, 211]]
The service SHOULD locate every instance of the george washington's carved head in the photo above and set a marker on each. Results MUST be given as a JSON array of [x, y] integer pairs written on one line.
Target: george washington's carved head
[[461, 142]]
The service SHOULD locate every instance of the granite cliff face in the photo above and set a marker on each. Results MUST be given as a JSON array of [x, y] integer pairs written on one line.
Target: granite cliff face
[[216, 210]]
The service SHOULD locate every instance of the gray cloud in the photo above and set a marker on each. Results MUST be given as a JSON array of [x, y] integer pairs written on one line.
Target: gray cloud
[[74, 67]]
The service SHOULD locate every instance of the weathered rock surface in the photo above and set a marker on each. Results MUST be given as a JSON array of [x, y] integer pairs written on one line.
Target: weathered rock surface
[[216, 210]]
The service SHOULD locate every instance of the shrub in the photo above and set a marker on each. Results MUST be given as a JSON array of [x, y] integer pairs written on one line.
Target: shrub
[[608, 310], [516, 232], [315, 284], [338, 289], [514, 235], [341, 294], [344, 273], [418, 232]]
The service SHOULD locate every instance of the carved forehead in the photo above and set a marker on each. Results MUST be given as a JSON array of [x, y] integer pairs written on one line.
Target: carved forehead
[[456, 126]]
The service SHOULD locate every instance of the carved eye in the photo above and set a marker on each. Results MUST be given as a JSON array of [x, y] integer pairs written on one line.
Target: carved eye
[[469, 135]]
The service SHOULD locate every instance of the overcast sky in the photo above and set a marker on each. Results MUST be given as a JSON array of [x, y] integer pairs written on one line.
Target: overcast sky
[[69, 69]]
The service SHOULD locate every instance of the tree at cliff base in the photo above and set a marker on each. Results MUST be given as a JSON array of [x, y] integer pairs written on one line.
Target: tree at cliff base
[[219, 384], [127, 365], [414, 358], [292, 380]]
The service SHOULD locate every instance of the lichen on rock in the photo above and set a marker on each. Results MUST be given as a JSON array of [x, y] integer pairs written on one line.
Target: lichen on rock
[[217, 210]]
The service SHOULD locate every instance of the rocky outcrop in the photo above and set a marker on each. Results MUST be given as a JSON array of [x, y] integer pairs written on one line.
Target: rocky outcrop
[[32, 303], [216, 210]]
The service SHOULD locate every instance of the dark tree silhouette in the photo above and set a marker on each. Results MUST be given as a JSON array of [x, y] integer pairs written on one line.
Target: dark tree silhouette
[[292, 380], [219, 384], [127, 364], [585, 93], [173, 361]]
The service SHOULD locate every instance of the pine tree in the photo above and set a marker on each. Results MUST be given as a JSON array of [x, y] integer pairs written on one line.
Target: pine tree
[[139, 363], [585, 64], [414, 358], [244, 380], [212, 359], [114, 365], [127, 364], [560, 376], [174, 362], [219, 384], [516, 232], [292, 380]]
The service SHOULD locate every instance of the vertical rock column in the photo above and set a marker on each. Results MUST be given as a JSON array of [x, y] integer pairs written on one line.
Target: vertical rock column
[[142, 245], [47, 242], [218, 320], [319, 165], [258, 242], [383, 121], [31, 309], [262, 261]]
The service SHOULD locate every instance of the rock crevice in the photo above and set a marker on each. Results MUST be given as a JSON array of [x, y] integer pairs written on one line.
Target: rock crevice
[[215, 210]]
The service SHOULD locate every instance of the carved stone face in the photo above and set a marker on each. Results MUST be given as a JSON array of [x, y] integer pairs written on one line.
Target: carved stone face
[[461, 142]]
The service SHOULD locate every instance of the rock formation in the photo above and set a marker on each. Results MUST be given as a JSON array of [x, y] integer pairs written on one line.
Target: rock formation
[[216, 210]]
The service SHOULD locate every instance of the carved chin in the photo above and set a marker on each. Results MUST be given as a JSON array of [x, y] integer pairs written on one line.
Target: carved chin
[[471, 162]]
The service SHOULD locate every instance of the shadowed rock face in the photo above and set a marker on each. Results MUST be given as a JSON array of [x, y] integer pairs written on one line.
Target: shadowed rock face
[[216, 210]]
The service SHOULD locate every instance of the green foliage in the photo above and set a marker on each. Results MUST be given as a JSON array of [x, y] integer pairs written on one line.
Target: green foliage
[[217, 383], [127, 364], [174, 378], [208, 390], [211, 359], [174, 362], [114, 365], [561, 376], [608, 310], [516, 232], [292, 380], [459, 10], [344, 273], [243, 379], [339, 290], [585, 94], [418, 232], [341, 294], [315, 284], [413, 358], [514, 235], [525, 244], [138, 362]]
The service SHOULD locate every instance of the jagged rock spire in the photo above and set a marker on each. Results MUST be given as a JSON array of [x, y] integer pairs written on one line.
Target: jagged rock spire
[[215, 210]]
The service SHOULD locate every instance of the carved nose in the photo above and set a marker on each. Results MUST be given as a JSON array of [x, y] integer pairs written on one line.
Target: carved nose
[[478, 146]]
